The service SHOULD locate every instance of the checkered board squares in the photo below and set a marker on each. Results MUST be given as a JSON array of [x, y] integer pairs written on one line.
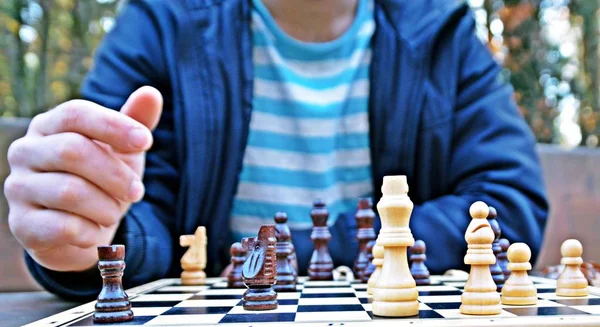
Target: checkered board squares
[[167, 303]]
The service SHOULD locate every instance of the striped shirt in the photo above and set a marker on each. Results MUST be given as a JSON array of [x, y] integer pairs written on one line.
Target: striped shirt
[[309, 128]]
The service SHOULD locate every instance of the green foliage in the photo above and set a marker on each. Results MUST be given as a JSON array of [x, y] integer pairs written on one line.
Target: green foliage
[[46, 47]]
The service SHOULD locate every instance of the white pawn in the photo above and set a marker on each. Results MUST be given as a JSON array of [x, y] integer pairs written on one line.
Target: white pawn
[[480, 296], [519, 289], [571, 282], [378, 262]]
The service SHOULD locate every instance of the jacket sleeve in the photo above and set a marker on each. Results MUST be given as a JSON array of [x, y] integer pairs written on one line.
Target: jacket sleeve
[[492, 159], [130, 57]]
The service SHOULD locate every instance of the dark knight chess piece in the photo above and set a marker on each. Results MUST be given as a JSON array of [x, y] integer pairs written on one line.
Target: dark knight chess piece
[[260, 270], [286, 281], [113, 303], [370, 268], [495, 268], [238, 257], [417, 258], [364, 234], [321, 264]]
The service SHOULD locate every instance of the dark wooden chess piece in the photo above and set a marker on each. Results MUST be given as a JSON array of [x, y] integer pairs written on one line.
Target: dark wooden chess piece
[[238, 257], [495, 269], [321, 264], [259, 272], [417, 258], [364, 234], [293, 261], [501, 257], [370, 268], [113, 303], [286, 281]]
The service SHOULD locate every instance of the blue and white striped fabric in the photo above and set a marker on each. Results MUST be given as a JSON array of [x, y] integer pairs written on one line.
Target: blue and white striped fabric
[[309, 129]]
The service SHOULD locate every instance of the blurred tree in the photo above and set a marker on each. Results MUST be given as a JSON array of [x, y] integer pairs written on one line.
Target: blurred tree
[[46, 47]]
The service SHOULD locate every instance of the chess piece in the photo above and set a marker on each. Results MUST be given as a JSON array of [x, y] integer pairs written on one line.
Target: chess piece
[[395, 293], [501, 257], [343, 273], [193, 261], [519, 289], [571, 282], [293, 261], [365, 233], [370, 268], [495, 269], [238, 257], [418, 269], [113, 303], [480, 296], [378, 263], [259, 272], [286, 281], [321, 264]]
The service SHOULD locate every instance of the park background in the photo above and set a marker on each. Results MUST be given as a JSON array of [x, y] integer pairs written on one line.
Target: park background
[[549, 50]]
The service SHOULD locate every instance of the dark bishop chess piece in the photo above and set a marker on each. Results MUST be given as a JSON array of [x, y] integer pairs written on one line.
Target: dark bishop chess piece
[[321, 264], [370, 268], [501, 257], [238, 257], [495, 269], [113, 303], [417, 258], [260, 270], [365, 233], [286, 280]]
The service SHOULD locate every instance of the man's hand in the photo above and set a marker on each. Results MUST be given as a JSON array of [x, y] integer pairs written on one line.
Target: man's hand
[[75, 174]]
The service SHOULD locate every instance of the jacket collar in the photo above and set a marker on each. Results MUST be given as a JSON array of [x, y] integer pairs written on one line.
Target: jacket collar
[[415, 22]]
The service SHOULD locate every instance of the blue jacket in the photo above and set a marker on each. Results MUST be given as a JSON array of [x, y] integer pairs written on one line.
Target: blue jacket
[[439, 113]]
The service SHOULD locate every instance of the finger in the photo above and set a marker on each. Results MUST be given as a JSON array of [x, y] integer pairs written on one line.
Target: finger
[[96, 122], [42, 229], [145, 106], [70, 193], [78, 155]]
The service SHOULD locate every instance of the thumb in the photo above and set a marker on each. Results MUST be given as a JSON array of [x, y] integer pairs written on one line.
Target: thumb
[[144, 105]]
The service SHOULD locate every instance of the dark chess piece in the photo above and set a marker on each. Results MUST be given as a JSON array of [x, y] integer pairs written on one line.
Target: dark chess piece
[[259, 272], [238, 257], [370, 268], [495, 269], [113, 303], [321, 264], [293, 261], [417, 258], [286, 281], [501, 257], [364, 234]]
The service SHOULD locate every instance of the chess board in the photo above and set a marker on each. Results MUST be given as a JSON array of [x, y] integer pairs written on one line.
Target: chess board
[[167, 303]]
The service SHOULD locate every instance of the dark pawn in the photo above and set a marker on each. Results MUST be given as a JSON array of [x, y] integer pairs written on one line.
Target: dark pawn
[[417, 258], [370, 268], [364, 234], [259, 272], [495, 269], [238, 257], [113, 303], [286, 281], [321, 264], [501, 257]]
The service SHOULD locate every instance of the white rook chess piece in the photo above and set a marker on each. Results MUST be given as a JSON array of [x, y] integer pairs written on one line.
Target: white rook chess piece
[[480, 296], [571, 282], [518, 288], [395, 293]]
